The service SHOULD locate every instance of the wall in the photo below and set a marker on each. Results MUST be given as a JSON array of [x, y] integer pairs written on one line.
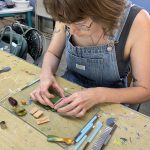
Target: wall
[[144, 3]]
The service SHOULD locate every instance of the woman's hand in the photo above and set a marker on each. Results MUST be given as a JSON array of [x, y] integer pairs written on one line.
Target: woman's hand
[[42, 95], [78, 103]]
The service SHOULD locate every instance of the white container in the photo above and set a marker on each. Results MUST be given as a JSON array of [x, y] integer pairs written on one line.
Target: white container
[[2, 5], [22, 3]]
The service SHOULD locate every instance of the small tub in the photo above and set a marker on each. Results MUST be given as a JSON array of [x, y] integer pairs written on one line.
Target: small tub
[[22, 3]]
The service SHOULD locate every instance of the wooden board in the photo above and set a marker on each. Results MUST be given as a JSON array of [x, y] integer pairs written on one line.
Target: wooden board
[[19, 75], [132, 126], [21, 136], [59, 125]]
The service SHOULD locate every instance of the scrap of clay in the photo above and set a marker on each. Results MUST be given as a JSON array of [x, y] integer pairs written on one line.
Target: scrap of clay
[[38, 114], [23, 102], [34, 110], [42, 120]]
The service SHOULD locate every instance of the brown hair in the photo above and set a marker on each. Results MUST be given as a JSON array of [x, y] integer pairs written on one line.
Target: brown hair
[[69, 11]]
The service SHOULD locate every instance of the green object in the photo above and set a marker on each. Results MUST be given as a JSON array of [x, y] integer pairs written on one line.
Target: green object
[[56, 98], [53, 100], [20, 111], [53, 138]]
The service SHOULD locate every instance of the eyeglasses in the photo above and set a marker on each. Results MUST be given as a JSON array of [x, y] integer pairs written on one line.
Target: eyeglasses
[[81, 26]]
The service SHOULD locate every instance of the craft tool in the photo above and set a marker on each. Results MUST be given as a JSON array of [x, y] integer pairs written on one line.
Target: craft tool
[[28, 85], [98, 145], [85, 131], [77, 146], [5, 69], [86, 128], [106, 135], [98, 127], [80, 143], [109, 136], [53, 138]]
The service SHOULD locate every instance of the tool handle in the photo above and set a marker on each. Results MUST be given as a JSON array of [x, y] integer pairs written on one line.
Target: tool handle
[[5, 69]]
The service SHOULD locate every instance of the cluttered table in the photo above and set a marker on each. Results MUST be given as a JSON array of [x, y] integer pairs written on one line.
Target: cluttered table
[[26, 131]]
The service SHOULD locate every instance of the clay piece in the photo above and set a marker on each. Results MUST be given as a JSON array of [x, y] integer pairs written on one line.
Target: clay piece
[[20, 111], [3, 125], [23, 102], [42, 120], [33, 110], [13, 102], [38, 114]]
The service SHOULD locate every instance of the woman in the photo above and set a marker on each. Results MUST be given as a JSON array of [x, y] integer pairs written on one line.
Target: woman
[[100, 47]]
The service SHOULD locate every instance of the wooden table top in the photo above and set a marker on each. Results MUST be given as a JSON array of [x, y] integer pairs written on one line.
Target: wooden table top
[[21, 74], [21, 136], [132, 132]]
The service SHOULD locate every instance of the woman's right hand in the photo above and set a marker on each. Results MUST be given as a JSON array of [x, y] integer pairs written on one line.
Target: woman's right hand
[[42, 94]]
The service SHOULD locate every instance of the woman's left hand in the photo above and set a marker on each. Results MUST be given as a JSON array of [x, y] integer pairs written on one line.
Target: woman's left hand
[[78, 103]]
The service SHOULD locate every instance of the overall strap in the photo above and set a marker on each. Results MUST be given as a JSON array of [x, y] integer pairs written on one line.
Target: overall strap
[[123, 65]]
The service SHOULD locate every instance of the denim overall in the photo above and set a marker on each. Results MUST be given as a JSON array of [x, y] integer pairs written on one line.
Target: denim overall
[[95, 66]]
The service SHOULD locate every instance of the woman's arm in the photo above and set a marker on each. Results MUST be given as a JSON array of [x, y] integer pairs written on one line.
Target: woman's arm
[[54, 52], [140, 63], [50, 65]]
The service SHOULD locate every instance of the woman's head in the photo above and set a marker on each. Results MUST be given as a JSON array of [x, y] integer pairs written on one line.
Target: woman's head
[[107, 12]]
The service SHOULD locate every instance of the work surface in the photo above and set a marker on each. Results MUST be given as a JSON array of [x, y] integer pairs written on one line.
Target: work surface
[[21, 74], [22, 132]]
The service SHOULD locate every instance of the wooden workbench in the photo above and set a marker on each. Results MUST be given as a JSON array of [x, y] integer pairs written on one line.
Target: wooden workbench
[[133, 127], [19, 75], [21, 136]]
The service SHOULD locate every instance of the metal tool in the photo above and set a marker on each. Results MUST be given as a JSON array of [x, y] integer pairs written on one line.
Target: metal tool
[[86, 128], [98, 127], [105, 137], [28, 85], [77, 146], [5, 69], [98, 145]]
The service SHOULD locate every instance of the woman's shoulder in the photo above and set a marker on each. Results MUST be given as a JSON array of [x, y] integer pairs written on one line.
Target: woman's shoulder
[[143, 18], [140, 26], [60, 25]]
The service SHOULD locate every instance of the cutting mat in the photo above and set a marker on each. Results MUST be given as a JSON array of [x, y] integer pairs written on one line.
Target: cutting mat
[[58, 125]]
